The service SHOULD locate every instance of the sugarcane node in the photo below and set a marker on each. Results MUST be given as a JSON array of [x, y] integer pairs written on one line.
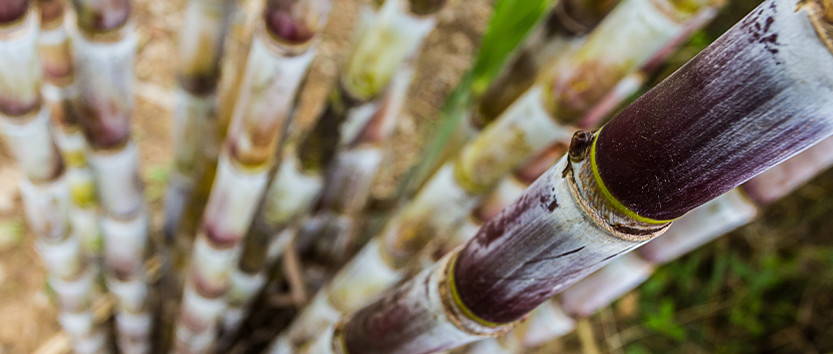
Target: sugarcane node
[[282, 23], [426, 7], [203, 84], [564, 21], [51, 13], [339, 342], [16, 109], [203, 287], [13, 11], [102, 19], [605, 210], [455, 309], [580, 145]]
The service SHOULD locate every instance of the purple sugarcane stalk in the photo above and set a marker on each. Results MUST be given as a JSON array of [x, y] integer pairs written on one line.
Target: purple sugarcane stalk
[[760, 94]]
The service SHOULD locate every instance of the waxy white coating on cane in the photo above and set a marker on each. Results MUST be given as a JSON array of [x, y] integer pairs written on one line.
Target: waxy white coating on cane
[[567, 242], [77, 324], [68, 136], [131, 294], [92, 344], [439, 320], [352, 175], [263, 107], [244, 287], [134, 325], [521, 132], [46, 206], [62, 259], [187, 341], [233, 201], [74, 294], [20, 71], [385, 40], [30, 142], [609, 283], [311, 322], [105, 77], [547, 321], [55, 54], [362, 279], [625, 40], [191, 128], [213, 266], [198, 312], [125, 243], [85, 226], [441, 205], [701, 225], [242, 290], [117, 177], [202, 36], [292, 192]]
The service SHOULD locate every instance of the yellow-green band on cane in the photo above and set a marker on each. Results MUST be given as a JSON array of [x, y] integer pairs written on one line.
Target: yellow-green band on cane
[[610, 198], [452, 286]]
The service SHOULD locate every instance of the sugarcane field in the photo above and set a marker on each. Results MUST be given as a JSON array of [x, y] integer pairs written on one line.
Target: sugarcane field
[[416, 176]]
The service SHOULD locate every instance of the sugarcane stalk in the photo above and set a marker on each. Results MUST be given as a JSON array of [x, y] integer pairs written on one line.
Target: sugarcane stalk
[[201, 49], [233, 67], [360, 114], [568, 22], [282, 50], [352, 172], [676, 148], [536, 120], [194, 131], [633, 82], [290, 195], [24, 125], [509, 189], [60, 93], [703, 224], [512, 187], [566, 25], [104, 50], [25, 120], [237, 47]]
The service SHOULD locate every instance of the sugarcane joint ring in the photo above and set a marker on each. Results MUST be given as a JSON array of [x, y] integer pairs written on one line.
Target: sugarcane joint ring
[[18, 27], [609, 196], [457, 312], [635, 234], [339, 342]]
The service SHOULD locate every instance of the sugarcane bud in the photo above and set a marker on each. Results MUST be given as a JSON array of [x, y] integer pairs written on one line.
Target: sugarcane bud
[[580, 145], [12, 10]]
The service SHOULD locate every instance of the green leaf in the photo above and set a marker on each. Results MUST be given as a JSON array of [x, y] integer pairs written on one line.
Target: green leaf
[[512, 21]]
